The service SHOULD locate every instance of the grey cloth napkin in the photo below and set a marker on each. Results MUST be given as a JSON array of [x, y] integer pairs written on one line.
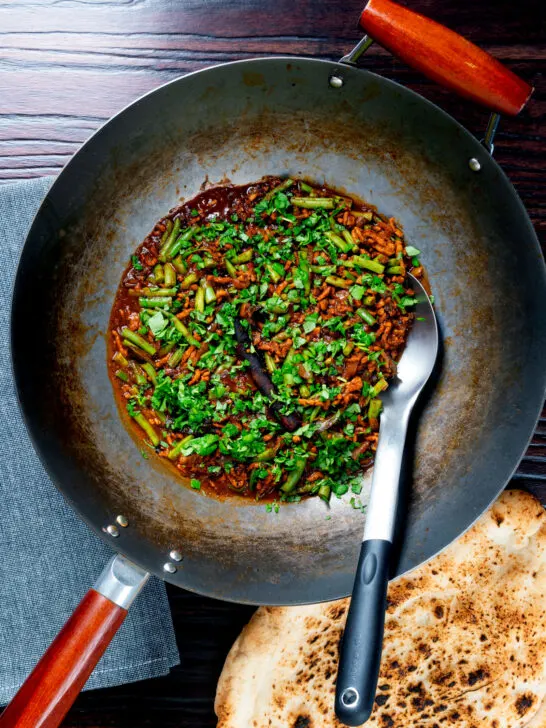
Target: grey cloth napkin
[[49, 558]]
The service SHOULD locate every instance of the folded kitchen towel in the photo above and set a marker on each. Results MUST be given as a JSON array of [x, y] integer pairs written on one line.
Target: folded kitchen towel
[[49, 557]]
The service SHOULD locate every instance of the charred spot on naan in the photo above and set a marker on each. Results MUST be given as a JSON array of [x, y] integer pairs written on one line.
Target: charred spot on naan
[[524, 703]]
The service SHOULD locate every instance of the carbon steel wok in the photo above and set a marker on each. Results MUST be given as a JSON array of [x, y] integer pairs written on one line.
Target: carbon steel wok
[[359, 132]]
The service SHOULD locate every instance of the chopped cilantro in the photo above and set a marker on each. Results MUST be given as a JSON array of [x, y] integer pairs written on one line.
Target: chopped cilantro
[[205, 445], [137, 265], [310, 323], [131, 409], [357, 292], [157, 323], [195, 484]]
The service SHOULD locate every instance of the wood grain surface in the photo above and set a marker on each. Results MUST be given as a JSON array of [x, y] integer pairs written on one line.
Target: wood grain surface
[[67, 65]]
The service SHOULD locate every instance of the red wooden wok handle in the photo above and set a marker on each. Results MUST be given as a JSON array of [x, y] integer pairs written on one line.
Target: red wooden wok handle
[[51, 688], [444, 56]]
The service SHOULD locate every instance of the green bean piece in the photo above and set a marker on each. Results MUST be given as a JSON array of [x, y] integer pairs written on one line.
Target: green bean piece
[[200, 299], [152, 292], [275, 277], [348, 238], [137, 340], [304, 390], [288, 378], [120, 374], [158, 273], [305, 267], [294, 477], [270, 363], [231, 269], [339, 242], [372, 265], [374, 409], [120, 359], [175, 358], [142, 355], [170, 240], [155, 302], [189, 280], [366, 316], [324, 492], [180, 445], [366, 215], [313, 203], [379, 387], [307, 488], [347, 349], [322, 269], [338, 282], [315, 413], [208, 262], [150, 371], [210, 294], [138, 373], [279, 188], [179, 242], [396, 270], [291, 354], [306, 188], [268, 454], [169, 346], [170, 275], [244, 257], [168, 228], [179, 326], [179, 265], [148, 429]]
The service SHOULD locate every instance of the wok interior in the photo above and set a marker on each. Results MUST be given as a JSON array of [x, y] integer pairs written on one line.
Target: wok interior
[[239, 122]]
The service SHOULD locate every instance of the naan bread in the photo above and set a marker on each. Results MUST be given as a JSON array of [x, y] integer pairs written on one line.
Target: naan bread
[[465, 641]]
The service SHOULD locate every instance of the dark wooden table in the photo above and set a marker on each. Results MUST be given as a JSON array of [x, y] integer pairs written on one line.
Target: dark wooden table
[[67, 65]]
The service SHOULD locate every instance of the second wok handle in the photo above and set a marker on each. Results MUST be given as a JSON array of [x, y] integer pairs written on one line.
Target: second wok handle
[[444, 56], [49, 691]]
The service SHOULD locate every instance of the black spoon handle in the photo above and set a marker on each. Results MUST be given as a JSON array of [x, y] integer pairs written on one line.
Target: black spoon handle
[[360, 654]]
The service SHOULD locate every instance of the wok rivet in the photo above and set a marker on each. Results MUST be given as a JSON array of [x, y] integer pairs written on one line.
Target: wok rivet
[[112, 530], [169, 568], [175, 555], [474, 165], [336, 81], [122, 521]]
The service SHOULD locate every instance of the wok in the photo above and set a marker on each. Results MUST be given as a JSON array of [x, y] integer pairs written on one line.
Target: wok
[[238, 121]]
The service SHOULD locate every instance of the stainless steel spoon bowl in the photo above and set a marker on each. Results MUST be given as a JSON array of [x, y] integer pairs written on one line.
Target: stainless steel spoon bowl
[[363, 637]]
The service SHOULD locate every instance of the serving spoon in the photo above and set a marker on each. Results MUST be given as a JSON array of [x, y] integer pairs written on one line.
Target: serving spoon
[[360, 654]]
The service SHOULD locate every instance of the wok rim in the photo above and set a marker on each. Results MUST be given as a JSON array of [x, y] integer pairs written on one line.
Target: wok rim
[[531, 414]]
